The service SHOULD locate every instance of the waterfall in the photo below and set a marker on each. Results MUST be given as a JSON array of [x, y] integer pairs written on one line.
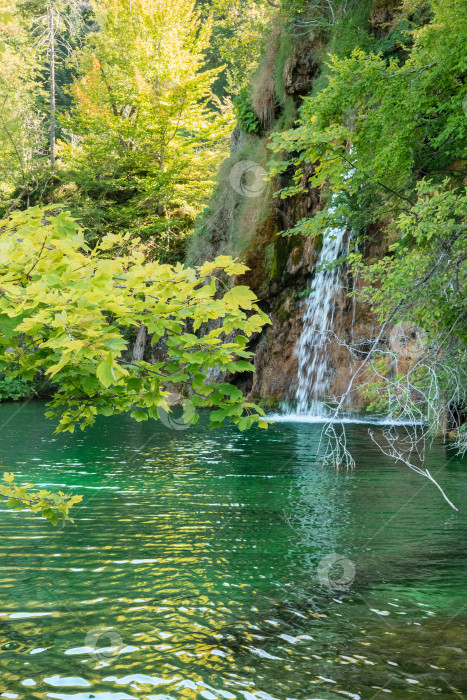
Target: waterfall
[[311, 349]]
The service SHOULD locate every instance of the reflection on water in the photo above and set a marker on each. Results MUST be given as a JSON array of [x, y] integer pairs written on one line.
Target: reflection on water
[[191, 570]]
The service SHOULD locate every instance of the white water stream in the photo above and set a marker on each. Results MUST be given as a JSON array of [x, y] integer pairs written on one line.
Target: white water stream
[[314, 373], [311, 350]]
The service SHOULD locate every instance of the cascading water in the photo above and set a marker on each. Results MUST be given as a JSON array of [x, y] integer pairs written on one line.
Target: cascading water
[[314, 377], [311, 350]]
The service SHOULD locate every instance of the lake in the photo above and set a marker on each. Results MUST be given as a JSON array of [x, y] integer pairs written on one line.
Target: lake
[[218, 564]]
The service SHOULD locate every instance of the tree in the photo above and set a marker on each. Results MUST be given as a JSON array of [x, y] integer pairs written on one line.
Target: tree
[[237, 42], [146, 136], [66, 309], [52, 506], [21, 122], [402, 116], [53, 26]]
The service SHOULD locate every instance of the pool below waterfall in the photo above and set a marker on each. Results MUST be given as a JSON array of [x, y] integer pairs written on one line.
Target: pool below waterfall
[[218, 564]]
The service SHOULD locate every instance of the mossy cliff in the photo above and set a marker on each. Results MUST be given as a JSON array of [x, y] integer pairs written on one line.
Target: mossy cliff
[[245, 219]]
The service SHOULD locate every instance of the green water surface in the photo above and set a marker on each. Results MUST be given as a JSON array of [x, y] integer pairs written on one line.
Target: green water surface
[[192, 569]]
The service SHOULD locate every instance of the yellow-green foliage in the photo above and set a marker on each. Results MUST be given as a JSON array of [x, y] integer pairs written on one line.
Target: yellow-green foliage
[[66, 311], [52, 506], [21, 129], [240, 28], [147, 136]]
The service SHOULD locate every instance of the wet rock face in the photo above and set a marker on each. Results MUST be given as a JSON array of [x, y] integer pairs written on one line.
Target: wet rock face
[[281, 268], [300, 70], [275, 361], [353, 326]]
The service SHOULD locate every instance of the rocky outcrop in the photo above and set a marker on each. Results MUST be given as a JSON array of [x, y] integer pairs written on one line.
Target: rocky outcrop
[[245, 220], [300, 69], [353, 327]]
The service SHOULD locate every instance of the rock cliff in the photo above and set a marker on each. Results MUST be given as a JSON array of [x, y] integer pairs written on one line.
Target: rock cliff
[[245, 219]]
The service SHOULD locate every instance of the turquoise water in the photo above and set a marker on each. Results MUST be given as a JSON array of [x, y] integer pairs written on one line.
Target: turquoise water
[[199, 566]]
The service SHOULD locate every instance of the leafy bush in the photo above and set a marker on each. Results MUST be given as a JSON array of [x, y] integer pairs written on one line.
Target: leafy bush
[[247, 119], [15, 388]]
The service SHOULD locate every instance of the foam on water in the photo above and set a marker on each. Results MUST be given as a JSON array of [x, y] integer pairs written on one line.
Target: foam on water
[[299, 417]]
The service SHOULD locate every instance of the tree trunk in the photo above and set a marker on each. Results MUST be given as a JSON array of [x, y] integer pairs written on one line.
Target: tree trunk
[[52, 80], [140, 344]]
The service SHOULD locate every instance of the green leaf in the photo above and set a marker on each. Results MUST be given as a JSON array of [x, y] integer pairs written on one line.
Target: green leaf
[[104, 371], [139, 415], [240, 296], [8, 325]]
